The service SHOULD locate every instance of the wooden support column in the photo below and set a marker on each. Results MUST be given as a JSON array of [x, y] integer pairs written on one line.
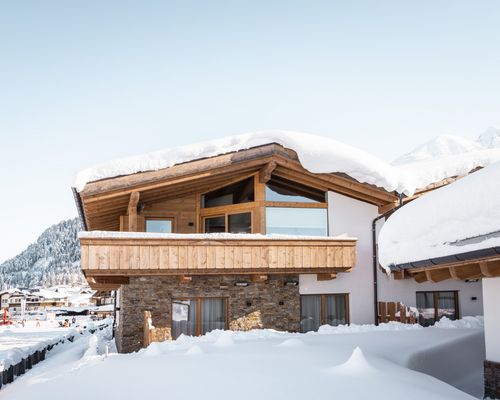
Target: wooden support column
[[132, 211]]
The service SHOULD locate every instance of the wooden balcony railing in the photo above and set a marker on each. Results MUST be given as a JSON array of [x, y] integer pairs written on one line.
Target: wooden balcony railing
[[142, 254]]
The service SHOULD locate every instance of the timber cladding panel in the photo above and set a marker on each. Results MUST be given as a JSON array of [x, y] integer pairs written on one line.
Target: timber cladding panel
[[139, 256], [268, 304]]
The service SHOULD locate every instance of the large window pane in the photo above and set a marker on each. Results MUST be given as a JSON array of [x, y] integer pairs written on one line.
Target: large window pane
[[426, 309], [447, 305], [239, 192], [184, 318], [335, 309], [240, 223], [213, 315], [215, 224], [159, 225], [296, 221], [310, 313]]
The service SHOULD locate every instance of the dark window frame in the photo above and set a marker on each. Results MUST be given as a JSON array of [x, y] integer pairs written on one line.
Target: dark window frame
[[199, 301], [323, 306], [435, 294]]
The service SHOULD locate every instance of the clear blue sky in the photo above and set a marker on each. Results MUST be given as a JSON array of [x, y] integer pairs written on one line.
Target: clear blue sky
[[88, 81]]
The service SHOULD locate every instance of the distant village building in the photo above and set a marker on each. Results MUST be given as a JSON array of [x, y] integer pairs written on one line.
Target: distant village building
[[272, 230]]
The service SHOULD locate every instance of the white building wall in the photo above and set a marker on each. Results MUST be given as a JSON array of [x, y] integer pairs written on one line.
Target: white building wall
[[354, 218], [491, 298]]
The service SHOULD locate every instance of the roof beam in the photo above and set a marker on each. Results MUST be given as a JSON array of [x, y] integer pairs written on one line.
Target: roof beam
[[266, 171]]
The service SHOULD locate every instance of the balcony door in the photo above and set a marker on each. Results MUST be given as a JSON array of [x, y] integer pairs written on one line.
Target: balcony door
[[323, 309], [198, 316], [432, 306]]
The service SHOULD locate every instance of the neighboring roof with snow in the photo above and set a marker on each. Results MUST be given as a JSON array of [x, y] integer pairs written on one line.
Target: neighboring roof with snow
[[459, 218], [317, 154]]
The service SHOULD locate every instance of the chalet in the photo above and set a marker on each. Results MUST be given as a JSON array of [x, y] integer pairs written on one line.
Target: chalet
[[19, 301], [463, 243], [270, 230]]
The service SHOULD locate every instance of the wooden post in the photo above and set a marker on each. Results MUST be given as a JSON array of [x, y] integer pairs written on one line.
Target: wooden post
[[147, 328], [391, 310], [132, 211], [382, 312]]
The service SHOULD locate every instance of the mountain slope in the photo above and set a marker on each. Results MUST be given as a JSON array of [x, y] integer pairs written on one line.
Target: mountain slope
[[490, 138], [53, 259], [440, 146]]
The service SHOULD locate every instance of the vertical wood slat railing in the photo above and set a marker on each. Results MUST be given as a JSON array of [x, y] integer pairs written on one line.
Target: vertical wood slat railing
[[396, 311]]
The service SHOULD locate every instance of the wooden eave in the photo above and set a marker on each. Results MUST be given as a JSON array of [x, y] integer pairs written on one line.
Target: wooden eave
[[104, 201], [484, 267]]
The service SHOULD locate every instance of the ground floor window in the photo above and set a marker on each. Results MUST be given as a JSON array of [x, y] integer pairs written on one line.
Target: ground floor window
[[194, 317], [322, 309], [432, 306]]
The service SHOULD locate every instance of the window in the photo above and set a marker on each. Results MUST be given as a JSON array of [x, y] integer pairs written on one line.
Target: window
[[322, 309], [159, 225], [283, 190], [237, 193], [297, 221], [194, 317], [432, 306], [235, 223]]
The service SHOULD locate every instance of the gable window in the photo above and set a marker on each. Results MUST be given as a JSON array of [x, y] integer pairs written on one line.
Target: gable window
[[434, 305], [282, 190], [295, 209], [323, 309], [159, 225], [198, 316], [236, 193]]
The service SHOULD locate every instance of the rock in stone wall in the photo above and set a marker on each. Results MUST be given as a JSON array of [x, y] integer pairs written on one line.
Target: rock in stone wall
[[491, 380], [268, 304]]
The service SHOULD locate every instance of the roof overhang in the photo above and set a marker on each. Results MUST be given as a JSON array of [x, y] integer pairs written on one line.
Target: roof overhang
[[102, 202]]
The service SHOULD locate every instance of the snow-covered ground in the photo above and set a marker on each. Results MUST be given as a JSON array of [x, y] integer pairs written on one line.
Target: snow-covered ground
[[356, 362]]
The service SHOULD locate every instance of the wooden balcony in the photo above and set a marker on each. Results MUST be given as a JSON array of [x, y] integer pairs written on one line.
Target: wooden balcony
[[115, 255]]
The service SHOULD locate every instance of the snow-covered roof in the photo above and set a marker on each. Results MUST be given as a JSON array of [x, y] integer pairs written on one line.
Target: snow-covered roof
[[317, 154], [459, 218]]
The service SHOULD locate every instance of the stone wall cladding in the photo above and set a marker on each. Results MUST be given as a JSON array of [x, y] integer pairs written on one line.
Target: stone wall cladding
[[268, 304], [492, 379]]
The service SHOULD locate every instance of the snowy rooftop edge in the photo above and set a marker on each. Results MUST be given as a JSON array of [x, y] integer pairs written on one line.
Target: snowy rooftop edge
[[206, 236], [317, 154]]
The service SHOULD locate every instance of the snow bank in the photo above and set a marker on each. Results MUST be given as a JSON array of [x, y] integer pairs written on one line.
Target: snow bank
[[266, 364], [317, 154], [201, 236], [17, 342], [458, 218]]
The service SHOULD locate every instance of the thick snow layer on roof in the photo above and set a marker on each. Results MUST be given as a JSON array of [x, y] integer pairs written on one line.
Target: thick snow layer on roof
[[386, 362], [318, 155], [458, 218], [205, 236]]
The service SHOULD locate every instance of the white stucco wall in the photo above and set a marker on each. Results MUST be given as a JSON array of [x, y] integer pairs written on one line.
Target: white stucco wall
[[491, 298], [354, 217]]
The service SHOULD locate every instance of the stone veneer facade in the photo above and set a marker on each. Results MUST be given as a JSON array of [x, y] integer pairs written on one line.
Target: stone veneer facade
[[492, 379], [268, 304]]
